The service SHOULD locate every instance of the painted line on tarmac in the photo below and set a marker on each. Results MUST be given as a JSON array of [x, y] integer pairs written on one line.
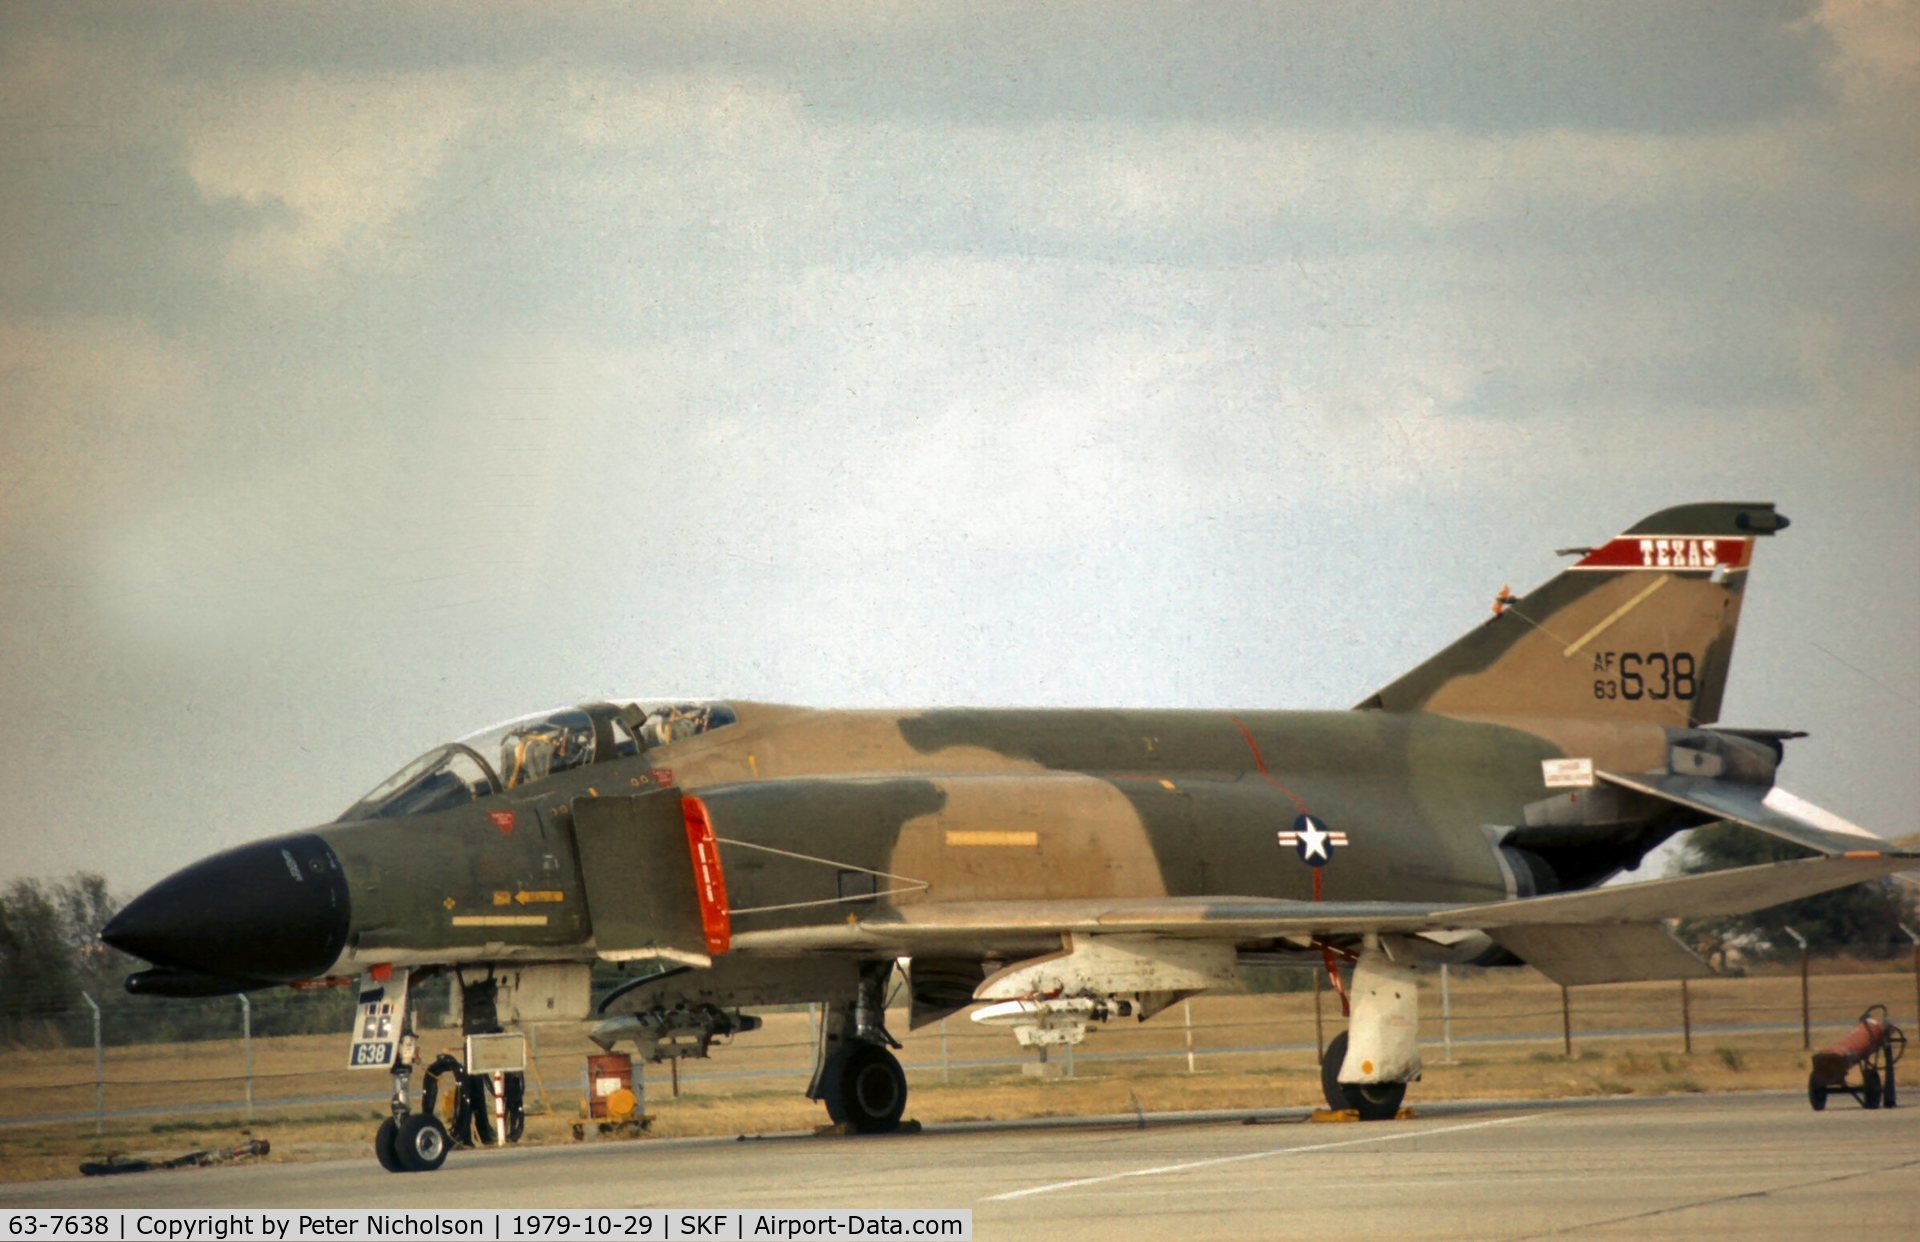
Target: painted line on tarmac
[[1251, 1155]]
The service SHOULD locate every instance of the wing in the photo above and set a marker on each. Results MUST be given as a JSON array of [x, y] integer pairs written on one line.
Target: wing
[[1594, 936]]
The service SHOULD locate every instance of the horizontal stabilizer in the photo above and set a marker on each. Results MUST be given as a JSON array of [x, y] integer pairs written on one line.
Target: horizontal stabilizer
[[1576, 954], [1772, 811]]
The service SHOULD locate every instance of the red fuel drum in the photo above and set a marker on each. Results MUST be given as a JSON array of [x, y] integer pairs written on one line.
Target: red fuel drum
[[606, 1075], [1830, 1064]]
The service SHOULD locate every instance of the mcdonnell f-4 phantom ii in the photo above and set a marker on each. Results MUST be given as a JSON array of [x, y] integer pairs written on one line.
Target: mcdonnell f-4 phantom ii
[[1059, 867]]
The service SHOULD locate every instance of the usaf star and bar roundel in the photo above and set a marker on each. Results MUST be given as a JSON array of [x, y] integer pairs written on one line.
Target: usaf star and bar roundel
[[1313, 839]]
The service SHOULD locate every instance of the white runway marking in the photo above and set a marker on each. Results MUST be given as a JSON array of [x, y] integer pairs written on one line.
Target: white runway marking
[[1252, 1155]]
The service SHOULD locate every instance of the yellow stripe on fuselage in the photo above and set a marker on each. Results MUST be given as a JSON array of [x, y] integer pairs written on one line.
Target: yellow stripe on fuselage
[[978, 836]]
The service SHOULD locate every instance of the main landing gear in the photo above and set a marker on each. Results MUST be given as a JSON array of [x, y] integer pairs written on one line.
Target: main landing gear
[[1367, 1066], [855, 1073], [1378, 1101]]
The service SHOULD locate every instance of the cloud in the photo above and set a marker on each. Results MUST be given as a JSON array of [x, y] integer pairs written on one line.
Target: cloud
[[332, 165], [1876, 43], [418, 365], [94, 405]]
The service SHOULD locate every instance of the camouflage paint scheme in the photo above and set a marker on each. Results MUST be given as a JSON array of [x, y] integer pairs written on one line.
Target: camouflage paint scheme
[[1048, 805], [975, 839]]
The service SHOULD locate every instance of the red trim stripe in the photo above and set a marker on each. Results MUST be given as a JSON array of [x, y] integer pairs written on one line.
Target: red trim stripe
[[1670, 552], [1261, 764]]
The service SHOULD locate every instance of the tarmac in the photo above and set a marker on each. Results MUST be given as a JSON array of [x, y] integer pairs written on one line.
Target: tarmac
[[1761, 1165]]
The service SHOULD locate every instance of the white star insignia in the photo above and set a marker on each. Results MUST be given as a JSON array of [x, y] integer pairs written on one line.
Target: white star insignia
[[1313, 840]]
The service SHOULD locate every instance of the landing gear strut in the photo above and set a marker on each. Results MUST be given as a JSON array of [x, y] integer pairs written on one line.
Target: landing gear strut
[[1369, 1072], [855, 1074]]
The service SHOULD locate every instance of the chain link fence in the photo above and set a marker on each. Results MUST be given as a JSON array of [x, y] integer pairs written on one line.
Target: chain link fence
[[1464, 1013]]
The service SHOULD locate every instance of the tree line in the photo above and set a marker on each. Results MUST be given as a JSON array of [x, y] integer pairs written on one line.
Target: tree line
[[52, 959], [51, 956], [1863, 921]]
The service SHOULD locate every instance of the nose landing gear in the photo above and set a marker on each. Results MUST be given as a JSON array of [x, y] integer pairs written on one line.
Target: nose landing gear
[[409, 1142], [418, 1142]]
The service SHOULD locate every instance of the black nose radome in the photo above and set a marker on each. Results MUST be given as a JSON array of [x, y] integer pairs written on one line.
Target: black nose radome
[[274, 911]]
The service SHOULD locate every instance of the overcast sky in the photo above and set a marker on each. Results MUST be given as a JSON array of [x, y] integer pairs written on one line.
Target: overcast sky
[[372, 373]]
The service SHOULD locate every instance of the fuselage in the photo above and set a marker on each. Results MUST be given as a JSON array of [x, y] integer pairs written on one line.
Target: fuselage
[[822, 816]]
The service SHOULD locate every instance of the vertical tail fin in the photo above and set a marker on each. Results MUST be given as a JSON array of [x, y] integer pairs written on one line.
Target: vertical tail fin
[[1639, 629]]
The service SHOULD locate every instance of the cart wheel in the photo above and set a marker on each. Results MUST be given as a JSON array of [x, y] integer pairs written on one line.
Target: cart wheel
[[1816, 1094], [1869, 1086]]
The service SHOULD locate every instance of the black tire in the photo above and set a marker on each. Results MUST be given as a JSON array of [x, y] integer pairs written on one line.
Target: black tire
[[385, 1146], [1816, 1094], [866, 1090], [1330, 1072], [1890, 1097], [1869, 1086], [1373, 1101], [422, 1143]]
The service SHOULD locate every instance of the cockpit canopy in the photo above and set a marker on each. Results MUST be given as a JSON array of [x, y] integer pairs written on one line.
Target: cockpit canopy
[[533, 748]]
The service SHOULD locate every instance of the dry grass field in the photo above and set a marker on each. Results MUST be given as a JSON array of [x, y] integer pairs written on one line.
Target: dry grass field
[[1253, 1051]]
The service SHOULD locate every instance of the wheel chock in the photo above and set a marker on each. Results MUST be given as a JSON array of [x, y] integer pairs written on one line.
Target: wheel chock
[[840, 1129], [1351, 1114]]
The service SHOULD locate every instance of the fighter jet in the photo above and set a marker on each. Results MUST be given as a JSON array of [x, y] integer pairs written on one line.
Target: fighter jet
[[1059, 868]]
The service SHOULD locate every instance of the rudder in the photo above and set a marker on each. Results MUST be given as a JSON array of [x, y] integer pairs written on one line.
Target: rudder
[[1641, 629]]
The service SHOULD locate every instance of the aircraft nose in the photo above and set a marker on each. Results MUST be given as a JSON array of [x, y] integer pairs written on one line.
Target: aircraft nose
[[273, 911]]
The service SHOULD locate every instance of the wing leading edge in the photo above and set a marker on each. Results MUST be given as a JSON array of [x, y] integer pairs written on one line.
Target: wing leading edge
[[1546, 931]]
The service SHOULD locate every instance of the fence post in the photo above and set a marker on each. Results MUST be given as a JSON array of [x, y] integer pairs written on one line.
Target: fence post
[[1806, 1010], [1446, 1014], [533, 1066], [1916, 969], [1686, 1016], [1319, 1036], [246, 1041], [1566, 1020], [1187, 1007], [99, 1071]]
